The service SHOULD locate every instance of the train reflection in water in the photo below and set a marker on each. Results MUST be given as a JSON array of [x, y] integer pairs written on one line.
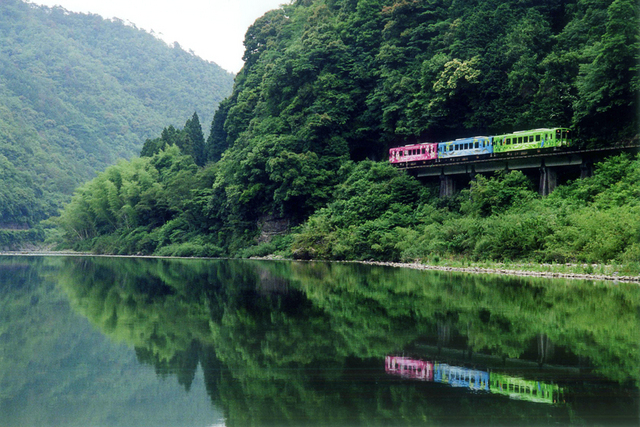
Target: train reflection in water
[[473, 379]]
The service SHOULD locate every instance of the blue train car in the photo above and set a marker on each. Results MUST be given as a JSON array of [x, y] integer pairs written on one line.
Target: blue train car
[[465, 147], [458, 376]]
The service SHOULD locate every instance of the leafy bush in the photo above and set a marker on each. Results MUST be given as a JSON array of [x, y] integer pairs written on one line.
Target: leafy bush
[[497, 194]]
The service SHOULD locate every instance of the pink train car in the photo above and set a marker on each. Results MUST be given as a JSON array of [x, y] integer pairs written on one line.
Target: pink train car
[[409, 368], [413, 153]]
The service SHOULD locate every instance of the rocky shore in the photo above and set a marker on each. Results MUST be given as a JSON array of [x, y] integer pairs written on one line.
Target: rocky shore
[[510, 272]]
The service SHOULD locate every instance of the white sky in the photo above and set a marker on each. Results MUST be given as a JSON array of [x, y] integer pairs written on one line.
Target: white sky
[[212, 29]]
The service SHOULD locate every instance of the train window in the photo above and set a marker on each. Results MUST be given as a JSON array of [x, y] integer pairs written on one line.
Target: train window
[[508, 140], [477, 144], [520, 140], [538, 138]]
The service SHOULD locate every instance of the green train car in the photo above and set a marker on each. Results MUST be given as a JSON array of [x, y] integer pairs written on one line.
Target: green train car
[[532, 139], [521, 389]]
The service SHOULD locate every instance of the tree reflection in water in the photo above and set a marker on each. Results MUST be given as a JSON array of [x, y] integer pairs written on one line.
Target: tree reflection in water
[[307, 342]]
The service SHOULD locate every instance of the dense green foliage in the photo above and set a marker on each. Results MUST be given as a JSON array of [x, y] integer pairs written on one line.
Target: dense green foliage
[[329, 83], [141, 206], [499, 218], [77, 93], [340, 78]]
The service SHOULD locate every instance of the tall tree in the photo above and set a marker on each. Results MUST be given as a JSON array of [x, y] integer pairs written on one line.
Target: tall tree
[[193, 131], [217, 141]]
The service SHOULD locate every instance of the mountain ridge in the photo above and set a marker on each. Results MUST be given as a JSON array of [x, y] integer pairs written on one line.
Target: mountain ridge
[[79, 92]]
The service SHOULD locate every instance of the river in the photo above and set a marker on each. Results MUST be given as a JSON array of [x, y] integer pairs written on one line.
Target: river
[[99, 341]]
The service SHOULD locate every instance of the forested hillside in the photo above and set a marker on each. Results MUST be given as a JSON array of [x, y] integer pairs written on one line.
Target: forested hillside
[[326, 80], [329, 83], [77, 93]]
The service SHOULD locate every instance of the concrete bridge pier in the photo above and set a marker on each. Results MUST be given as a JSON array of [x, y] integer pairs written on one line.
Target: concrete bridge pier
[[447, 185], [586, 168], [548, 180]]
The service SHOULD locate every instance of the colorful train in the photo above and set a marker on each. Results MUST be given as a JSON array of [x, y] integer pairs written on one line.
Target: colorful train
[[473, 379], [479, 147]]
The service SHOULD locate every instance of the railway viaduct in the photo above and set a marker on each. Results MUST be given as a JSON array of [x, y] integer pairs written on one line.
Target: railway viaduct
[[549, 166]]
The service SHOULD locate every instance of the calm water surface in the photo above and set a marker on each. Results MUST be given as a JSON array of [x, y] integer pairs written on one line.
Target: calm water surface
[[150, 342]]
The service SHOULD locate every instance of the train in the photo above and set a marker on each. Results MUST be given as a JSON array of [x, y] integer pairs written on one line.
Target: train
[[480, 147], [474, 379]]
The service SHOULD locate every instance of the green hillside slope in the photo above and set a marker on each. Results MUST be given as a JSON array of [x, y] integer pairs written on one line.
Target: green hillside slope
[[77, 93]]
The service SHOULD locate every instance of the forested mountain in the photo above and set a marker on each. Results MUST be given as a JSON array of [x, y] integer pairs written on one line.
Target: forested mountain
[[325, 80], [77, 93], [327, 83]]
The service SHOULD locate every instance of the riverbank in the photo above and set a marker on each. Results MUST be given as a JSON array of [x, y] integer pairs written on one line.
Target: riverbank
[[551, 271], [602, 272]]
